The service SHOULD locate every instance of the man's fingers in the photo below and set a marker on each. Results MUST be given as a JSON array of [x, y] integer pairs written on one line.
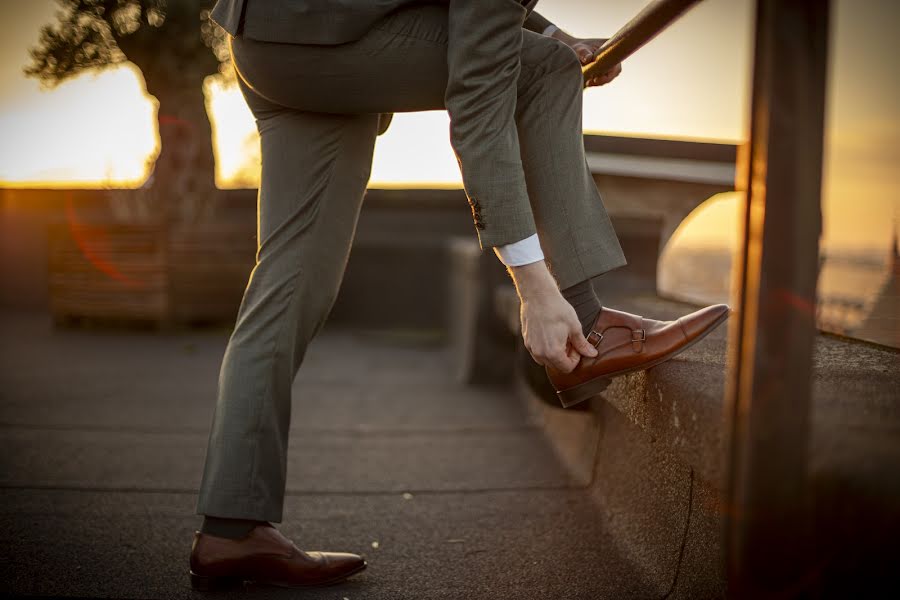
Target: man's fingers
[[563, 359], [563, 362], [581, 344], [605, 78]]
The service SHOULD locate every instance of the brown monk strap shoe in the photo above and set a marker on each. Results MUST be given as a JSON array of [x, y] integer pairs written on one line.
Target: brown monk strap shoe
[[627, 343], [265, 556]]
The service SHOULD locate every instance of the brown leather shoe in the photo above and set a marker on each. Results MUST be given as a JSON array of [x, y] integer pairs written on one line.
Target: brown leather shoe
[[628, 343], [265, 556]]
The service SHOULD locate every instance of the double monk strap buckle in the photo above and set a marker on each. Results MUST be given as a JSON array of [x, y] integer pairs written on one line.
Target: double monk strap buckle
[[597, 336], [638, 337]]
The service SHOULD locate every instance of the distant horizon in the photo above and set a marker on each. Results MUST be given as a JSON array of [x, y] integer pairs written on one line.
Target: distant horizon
[[55, 184], [863, 252]]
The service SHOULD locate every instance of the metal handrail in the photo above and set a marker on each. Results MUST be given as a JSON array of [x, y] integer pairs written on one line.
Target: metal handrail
[[645, 26]]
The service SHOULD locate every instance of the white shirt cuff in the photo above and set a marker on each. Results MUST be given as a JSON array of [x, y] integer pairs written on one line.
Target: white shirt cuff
[[523, 252], [549, 30]]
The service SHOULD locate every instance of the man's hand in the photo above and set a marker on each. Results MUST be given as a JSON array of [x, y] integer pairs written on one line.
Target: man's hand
[[550, 327], [586, 48]]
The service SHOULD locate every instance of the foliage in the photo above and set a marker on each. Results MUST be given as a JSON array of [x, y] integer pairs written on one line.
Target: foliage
[[170, 42], [92, 34]]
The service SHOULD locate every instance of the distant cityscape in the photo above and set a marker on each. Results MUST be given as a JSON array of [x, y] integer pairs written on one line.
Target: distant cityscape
[[858, 291]]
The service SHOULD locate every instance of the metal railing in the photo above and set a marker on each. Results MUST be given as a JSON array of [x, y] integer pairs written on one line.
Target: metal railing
[[649, 23]]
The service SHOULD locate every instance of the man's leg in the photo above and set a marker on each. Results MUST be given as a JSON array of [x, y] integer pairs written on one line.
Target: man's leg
[[576, 234], [315, 171], [401, 65]]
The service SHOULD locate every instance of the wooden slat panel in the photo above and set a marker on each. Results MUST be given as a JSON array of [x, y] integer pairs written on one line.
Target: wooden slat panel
[[141, 271], [108, 271]]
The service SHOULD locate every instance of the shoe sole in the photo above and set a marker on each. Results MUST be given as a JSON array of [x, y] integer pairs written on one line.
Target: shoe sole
[[202, 583], [596, 386]]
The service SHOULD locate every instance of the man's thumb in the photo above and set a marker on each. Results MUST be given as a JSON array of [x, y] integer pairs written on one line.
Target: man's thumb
[[583, 346]]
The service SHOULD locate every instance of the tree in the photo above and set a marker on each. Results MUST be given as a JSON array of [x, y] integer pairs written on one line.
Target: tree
[[176, 46]]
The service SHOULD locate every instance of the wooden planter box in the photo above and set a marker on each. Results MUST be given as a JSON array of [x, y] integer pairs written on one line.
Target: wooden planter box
[[166, 275], [208, 269]]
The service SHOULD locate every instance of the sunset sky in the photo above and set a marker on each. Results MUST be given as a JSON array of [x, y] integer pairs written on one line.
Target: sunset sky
[[692, 82]]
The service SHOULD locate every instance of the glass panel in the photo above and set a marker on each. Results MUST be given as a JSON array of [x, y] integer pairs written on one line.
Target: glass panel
[[858, 284], [859, 280]]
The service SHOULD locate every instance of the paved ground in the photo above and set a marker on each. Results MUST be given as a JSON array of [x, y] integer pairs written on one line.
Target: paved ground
[[450, 491]]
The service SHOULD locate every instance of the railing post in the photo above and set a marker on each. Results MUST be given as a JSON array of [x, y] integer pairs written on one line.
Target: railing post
[[767, 521]]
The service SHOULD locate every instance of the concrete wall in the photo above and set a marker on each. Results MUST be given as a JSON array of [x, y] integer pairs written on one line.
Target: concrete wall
[[658, 474], [398, 276]]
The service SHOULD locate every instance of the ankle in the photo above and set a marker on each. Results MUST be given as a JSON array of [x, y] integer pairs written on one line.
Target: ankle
[[585, 302], [229, 528]]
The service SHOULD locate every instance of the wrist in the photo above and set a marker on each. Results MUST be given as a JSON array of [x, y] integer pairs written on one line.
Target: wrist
[[562, 36], [533, 281]]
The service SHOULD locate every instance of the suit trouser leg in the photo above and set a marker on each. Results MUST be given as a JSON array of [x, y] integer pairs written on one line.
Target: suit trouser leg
[[315, 171]]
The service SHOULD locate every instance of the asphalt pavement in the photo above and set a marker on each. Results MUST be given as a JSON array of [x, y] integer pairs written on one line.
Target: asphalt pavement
[[451, 491]]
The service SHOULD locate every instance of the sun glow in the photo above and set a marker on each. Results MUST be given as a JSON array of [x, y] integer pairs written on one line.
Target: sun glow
[[414, 152], [97, 129]]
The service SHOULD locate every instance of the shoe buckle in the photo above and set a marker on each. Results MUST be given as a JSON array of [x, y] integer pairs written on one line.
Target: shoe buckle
[[598, 336], [638, 337]]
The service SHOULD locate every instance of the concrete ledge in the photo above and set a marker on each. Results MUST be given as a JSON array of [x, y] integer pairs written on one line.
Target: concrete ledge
[[681, 403], [662, 516], [482, 348], [660, 443]]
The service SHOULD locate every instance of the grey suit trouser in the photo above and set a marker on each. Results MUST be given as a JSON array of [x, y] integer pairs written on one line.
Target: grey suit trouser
[[317, 110]]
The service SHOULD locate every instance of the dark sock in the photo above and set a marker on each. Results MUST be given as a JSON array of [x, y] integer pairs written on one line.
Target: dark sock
[[228, 528], [585, 302]]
